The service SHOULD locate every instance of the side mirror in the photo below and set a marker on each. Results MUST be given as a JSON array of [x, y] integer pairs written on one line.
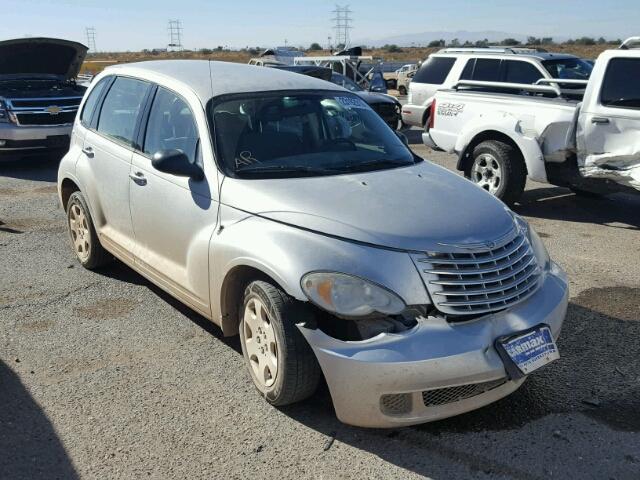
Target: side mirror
[[176, 163], [403, 138]]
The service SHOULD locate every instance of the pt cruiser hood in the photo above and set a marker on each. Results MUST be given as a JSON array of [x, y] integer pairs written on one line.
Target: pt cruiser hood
[[41, 56], [416, 208]]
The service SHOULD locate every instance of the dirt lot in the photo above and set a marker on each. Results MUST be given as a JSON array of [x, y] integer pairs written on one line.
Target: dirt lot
[[102, 375]]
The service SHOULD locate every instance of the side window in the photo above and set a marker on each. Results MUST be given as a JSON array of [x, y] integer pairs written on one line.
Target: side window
[[521, 72], [486, 70], [92, 100], [467, 73], [620, 87], [171, 126], [434, 70], [121, 108]]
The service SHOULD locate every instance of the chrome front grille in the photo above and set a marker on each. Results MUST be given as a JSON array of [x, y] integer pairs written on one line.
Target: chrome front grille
[[480, 279], [44, 111]]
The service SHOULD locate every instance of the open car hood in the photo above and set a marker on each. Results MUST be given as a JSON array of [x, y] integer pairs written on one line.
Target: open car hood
[[54, 57]]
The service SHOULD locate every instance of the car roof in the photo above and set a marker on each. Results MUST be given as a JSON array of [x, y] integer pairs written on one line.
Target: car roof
[[539, 55], [209, 79]]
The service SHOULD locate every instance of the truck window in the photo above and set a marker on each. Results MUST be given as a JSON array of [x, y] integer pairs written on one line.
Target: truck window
[[568, 68], [482, 69], [434, 70], [521, 72], [621, 84]]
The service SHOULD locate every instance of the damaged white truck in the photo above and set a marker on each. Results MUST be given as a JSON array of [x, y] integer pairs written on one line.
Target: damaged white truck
[[504, 133]]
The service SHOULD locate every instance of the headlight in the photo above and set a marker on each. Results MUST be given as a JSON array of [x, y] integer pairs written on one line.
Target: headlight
[[348, 295], [4, 114], [538, 247], [539, 250]]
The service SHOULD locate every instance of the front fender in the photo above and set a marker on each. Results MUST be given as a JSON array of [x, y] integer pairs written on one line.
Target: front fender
[[506, 124], [285, 253]]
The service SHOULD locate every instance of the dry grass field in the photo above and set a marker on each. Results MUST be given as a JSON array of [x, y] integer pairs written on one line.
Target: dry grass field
[[95, 63]]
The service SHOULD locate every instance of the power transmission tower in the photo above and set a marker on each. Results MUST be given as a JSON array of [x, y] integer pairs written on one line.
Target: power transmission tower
[[91, 38], [175, 35], [342, 24]]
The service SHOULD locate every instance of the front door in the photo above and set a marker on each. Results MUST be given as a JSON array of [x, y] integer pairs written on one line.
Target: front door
[[610, 123], [173, 216]]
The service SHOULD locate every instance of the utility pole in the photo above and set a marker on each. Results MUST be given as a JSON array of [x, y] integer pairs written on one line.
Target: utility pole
[[91, 38], [342, 21], [175, 35]]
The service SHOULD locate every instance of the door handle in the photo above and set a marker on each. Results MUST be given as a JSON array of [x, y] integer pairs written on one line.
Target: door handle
[[88, 151], [138, 177], [600, 120]]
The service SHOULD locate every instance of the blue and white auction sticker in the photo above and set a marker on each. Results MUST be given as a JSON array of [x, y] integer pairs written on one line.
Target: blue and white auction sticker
[[532, 350]]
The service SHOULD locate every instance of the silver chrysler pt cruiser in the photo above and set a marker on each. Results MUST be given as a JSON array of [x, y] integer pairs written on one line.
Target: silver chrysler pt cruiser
[[283, 208]]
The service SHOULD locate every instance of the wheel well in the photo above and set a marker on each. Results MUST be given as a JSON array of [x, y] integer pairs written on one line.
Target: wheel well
[[425, 116], [231, 294], [465, 155], [66, 189]]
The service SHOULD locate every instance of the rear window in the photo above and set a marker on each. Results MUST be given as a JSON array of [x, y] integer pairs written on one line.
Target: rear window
[[621, 84], [434, 70], [482, 69]]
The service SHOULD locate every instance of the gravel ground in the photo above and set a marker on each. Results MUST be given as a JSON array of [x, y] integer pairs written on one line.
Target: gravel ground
[[102, 375]]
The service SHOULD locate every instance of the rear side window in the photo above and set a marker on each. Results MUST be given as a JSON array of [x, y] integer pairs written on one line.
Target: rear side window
[[520, 72], [171, 126], [482, 69], [121, 108], [434, 70], [92, 101], [621, 84]]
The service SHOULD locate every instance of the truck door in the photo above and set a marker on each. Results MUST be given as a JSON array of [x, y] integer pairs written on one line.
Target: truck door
[[609, 124]]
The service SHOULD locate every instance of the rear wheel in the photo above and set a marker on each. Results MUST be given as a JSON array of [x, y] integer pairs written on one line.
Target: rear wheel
[[82, 233], [498, 168], [281, 363]]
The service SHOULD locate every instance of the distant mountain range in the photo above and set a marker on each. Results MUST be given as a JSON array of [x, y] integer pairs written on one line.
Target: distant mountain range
[[423, 38]]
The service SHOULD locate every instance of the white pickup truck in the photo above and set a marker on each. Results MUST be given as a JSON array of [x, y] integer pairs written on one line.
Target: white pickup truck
[[504, 133]]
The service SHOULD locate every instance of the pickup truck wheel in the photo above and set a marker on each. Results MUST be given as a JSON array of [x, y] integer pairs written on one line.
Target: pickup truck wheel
[[498, 168], [84, 238], [402, 90], [282, 365]]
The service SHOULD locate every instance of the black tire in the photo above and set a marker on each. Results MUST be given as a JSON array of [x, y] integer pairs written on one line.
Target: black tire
[[402, 90], [511, 163], [94, 255], [298, 372]]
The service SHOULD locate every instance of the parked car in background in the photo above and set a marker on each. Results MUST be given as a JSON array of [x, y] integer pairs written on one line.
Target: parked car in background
[[39, 97], [403, 81], [502, 138], [282, 208], [503, 65], [385, 105], [409, 67]]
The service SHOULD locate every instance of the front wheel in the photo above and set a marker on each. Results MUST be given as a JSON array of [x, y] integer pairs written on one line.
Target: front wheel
[[402, 90], [498, 168], [282, 365]]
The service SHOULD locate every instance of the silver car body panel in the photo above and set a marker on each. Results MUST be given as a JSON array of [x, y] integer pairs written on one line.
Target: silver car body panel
[[192, 240]]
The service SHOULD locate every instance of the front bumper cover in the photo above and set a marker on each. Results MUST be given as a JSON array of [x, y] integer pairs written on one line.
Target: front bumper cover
[[435, 354]]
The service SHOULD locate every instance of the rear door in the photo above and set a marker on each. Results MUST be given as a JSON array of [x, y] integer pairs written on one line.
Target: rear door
[[108, 146], [610, 120], [173, 216]]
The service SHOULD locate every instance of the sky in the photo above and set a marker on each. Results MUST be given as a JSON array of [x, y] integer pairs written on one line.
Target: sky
[[123, 25]]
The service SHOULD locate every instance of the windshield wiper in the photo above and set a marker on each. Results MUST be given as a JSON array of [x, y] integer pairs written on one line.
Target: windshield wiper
[[287, 169], [375, 164]]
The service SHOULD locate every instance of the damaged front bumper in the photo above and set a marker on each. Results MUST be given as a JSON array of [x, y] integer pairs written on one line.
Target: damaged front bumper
[[435, 370]]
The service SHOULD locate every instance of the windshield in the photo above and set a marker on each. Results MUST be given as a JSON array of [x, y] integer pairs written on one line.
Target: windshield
[[569, 68], [345, 82], [303, 134]]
